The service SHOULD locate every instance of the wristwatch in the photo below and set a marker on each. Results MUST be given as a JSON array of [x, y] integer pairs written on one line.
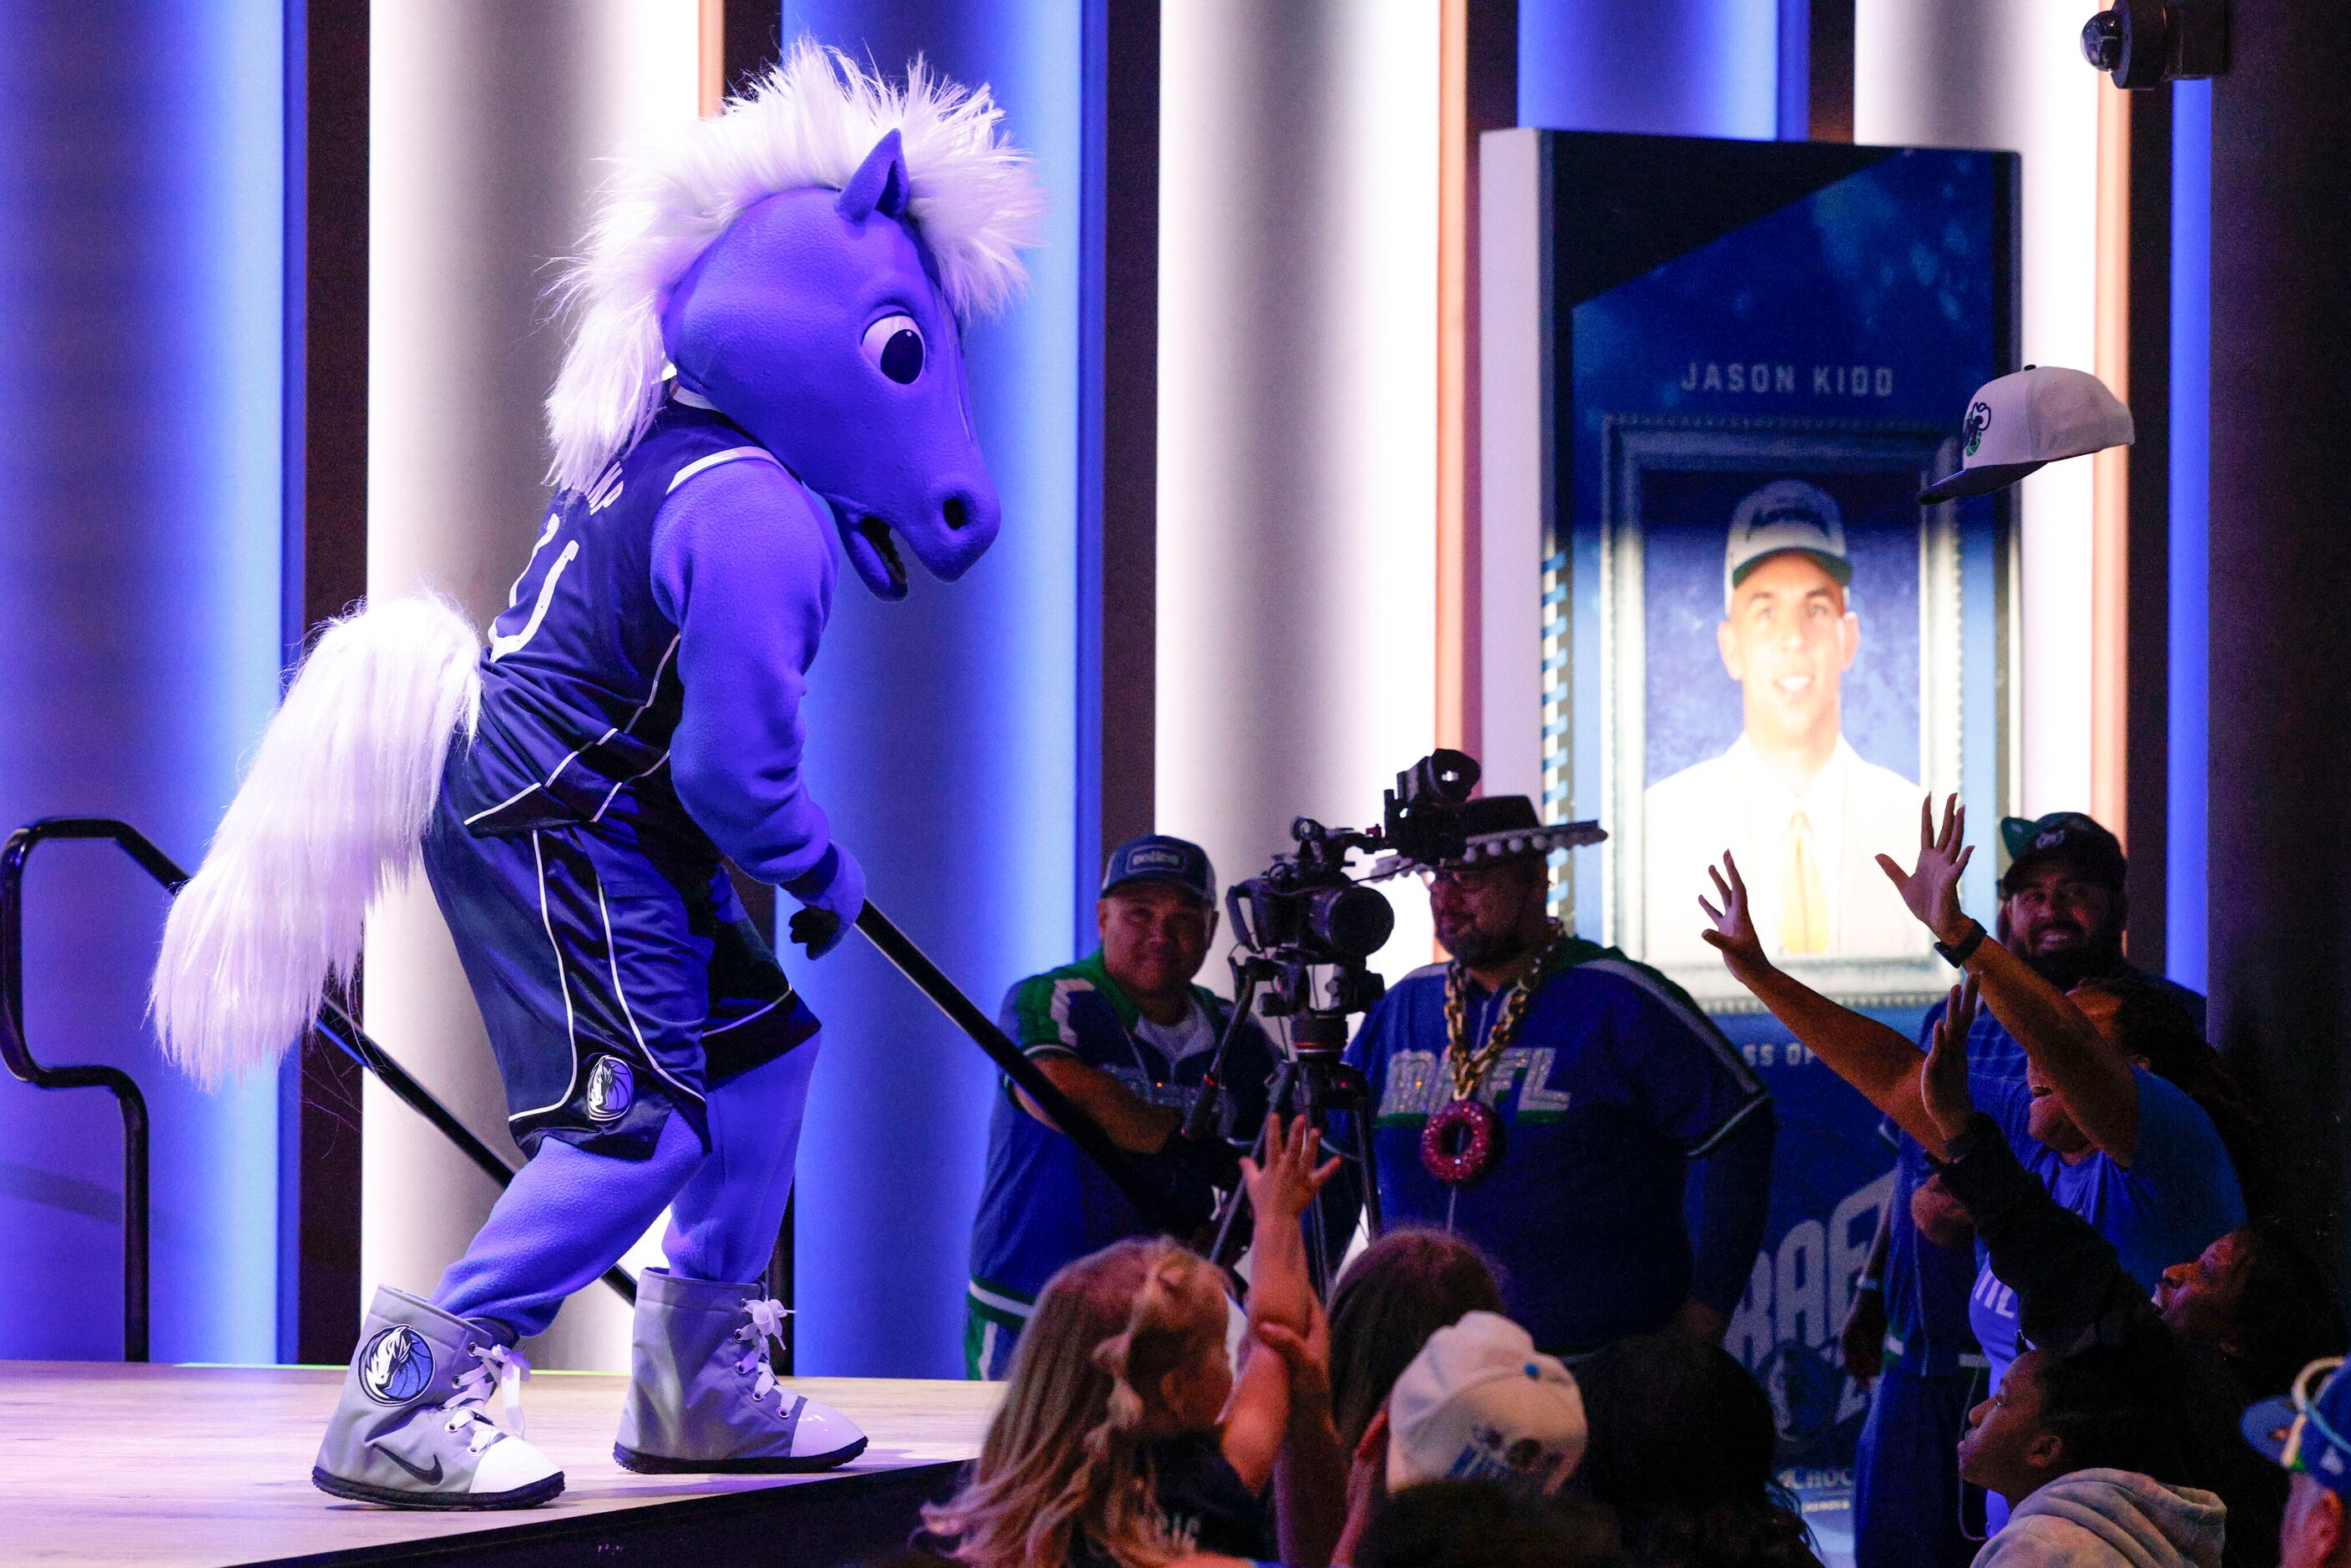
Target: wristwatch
[[1957, 954]]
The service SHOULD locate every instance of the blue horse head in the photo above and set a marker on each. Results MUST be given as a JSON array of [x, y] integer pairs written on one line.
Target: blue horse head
[[805, 262], [817, 324]]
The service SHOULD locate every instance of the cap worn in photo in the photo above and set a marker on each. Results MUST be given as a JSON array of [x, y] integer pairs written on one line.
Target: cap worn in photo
[[2017, 422], [1783, 516]]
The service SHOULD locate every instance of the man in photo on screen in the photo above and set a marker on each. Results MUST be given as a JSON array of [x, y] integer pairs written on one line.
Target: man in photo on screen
[[1790, 797]]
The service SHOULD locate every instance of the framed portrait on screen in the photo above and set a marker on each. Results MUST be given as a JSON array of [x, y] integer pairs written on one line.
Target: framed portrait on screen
[[1782, 677]]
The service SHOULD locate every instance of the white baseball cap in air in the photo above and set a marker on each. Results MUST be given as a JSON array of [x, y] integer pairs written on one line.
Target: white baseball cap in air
[[2037, 415], [1480, 1402], [1785, 514]]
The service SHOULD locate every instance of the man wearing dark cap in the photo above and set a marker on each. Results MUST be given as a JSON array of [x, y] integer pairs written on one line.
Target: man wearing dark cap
[[1127, 1036], [1543, 1096], [2063, 909]]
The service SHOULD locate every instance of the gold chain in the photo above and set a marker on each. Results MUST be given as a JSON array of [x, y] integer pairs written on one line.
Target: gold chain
[[1468, 1069]]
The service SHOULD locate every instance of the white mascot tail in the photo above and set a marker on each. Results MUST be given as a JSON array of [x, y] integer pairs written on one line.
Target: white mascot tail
[[333, 814]]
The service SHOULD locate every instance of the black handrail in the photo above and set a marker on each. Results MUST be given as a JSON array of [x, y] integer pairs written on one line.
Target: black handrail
[[334, 1025], [19, 1057]]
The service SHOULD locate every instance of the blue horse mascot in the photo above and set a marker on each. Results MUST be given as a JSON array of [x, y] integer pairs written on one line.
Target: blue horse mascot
[[765, 375]]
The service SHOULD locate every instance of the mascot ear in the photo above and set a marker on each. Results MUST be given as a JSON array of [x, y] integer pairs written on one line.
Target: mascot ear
[[880, 183]]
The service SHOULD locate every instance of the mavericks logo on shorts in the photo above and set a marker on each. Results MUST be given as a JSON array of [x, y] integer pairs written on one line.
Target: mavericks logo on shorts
[[612, 1089], [396, 1366]]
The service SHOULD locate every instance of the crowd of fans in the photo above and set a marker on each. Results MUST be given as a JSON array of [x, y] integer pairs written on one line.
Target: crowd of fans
[[2159, 1381]]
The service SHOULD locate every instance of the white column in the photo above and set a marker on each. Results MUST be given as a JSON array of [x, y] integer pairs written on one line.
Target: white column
[[1297, 420], [2009, 73], [486, 124]]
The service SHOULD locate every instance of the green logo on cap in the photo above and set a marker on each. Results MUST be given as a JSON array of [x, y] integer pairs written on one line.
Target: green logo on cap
[[1979, 421]]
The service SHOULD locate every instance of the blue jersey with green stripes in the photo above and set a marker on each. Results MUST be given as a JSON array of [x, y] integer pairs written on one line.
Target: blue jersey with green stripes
[[1614, 1081], [1043, 1204]]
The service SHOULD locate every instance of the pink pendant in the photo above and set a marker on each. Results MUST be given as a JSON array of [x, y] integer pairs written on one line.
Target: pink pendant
[[1461, 1142]]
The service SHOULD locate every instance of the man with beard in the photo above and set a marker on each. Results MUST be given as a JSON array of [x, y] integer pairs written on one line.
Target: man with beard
[[1543, 1096], [2063, 909]]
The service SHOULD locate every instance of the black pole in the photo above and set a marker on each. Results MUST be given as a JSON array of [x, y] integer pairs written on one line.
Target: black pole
[[2279, 836], [1083, 1129], [336, 1029]]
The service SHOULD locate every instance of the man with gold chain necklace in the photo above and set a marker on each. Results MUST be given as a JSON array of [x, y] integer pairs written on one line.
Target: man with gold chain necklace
[[1543, 1096]]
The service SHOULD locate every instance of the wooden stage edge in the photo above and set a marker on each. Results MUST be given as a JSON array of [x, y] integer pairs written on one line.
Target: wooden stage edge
[[197, 1467]]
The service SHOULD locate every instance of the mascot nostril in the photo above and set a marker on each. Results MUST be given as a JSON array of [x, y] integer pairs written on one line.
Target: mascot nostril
[[806, 261]]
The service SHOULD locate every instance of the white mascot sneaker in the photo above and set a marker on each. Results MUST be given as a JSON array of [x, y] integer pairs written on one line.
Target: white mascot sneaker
[[704, 1400], [413, 1428]]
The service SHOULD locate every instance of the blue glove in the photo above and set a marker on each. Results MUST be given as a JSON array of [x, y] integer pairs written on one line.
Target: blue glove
[[831, 893]]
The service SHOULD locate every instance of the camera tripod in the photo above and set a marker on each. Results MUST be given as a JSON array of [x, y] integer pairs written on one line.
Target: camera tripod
[[1315, 1083]]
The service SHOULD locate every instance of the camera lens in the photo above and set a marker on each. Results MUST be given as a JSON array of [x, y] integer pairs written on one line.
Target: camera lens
[[2102, 40], [1353, 922]]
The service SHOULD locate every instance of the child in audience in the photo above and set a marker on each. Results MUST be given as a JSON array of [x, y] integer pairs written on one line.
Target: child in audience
[[2074, 1444], [1124, 1439], [1681, 1447], [1479, 1407], [1399, 1291]]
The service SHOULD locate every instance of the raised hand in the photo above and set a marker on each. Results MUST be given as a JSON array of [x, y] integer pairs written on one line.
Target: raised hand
[[1279, 1190], [1932, 890], [1308, 1357], [1733, 927], [1943, 1079]]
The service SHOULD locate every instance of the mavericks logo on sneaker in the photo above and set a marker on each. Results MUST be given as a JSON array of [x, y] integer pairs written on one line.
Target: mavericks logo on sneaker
[[396, 1366], [612, 1089]]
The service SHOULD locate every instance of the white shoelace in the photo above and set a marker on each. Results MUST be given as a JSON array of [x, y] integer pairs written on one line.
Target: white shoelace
[[766, 1322], [495, 1367]]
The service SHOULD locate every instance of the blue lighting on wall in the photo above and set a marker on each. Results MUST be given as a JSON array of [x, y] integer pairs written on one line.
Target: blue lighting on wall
[[140, 316], [1678, 68], [943, 743], [2192, 526]]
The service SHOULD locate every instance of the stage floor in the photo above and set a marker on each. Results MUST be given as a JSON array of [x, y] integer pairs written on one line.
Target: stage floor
[[105, 1463]]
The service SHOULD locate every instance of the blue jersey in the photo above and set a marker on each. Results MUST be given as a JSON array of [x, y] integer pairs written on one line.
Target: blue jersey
[[1614, 1082], [2177, 1196], [1043, 1204], [648, 667], [1926, 1287]]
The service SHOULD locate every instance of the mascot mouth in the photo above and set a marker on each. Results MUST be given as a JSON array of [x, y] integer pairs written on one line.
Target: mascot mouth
[[875, 554]]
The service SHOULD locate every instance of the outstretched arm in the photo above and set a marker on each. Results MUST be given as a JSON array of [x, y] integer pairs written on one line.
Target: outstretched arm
[[1281, 1294], [2067, 1277], [1866, 1054], [2084, 1071], [742, 567]]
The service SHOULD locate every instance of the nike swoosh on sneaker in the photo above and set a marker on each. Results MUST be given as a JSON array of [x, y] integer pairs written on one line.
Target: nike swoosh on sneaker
[[430, 1478]]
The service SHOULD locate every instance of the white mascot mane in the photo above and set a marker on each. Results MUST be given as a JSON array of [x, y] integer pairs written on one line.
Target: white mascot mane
[[809, 121], [333, 811]]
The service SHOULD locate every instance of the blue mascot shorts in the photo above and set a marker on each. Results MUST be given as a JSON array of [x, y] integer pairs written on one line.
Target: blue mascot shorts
[[616, 971]]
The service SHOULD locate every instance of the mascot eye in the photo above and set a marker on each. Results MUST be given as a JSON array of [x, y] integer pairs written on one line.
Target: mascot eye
[[896, 346]]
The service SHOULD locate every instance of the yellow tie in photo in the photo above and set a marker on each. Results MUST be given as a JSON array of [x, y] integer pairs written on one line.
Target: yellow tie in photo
[[1804, 913]]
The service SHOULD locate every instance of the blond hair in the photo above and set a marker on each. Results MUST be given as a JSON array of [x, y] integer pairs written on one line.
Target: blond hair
[[1064, 1458]]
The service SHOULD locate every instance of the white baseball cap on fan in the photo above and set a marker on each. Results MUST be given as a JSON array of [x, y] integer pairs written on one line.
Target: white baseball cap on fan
[[1480, 1402]]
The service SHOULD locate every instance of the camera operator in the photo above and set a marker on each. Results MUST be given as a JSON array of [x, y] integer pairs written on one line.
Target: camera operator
[[1127, 1037], [1584, 1084]]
